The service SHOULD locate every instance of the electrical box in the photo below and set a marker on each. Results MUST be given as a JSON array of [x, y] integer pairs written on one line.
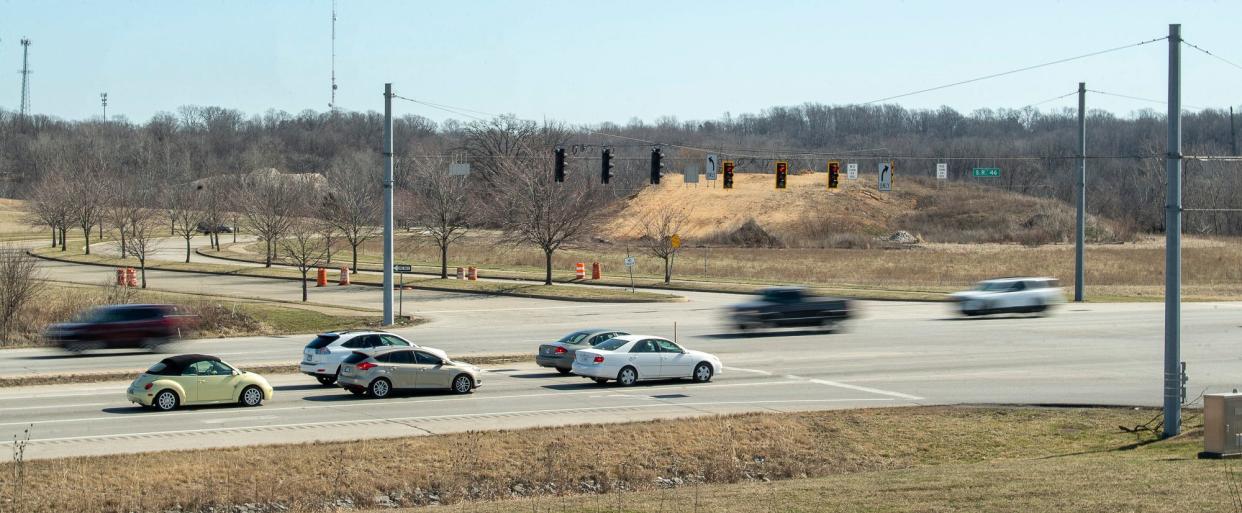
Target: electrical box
[[1222, 426]]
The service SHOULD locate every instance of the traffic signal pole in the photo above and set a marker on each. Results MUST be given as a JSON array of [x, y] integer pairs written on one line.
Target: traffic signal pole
[[388, 205], [1173, 243], [1081, 225]]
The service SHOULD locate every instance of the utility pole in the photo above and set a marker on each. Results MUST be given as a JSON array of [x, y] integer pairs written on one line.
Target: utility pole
[[25, 105], [1173, 243], [103, 99], [388, 204], [332, 102], [1081, 226], [1233, 135]]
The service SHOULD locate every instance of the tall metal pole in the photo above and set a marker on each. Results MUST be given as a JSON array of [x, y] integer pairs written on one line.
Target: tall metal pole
[[1081, 226], [387, 204], [1173, 243], [1233, 135], [25, 105]]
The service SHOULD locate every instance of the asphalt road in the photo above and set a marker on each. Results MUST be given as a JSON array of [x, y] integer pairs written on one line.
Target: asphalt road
[[895, 353]]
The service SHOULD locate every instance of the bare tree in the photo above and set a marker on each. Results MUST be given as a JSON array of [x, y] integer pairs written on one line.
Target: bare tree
[[184, 206], [303, 247], [658, 229], [20, 280], [143, 226], [49, 204], [534, 209], [87, 205], [353, 205], [269, 206], [121, 208], [439, 206]]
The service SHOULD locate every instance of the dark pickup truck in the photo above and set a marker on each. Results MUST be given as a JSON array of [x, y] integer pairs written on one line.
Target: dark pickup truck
[[122, 326], [780, 307]]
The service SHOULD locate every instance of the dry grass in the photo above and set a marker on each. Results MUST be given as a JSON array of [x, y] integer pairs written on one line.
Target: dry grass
[[926, 448]]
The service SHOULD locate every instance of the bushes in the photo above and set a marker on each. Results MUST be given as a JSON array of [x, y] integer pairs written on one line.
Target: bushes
[[748, 235]]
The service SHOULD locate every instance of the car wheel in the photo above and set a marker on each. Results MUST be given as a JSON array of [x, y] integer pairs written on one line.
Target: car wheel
[[600, 380], [628, 376], [380, 388], [328, 381], [166, 400], [702, 373], [357, 391], [563, 371], [251, 396], [462, 384]]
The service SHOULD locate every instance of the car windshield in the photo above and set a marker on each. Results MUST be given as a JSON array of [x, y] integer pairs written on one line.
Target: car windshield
[[573, 338], [994, 286], [612, 344], [322, 341]]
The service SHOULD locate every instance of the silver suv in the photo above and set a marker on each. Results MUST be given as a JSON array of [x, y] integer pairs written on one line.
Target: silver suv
[[322, 356]]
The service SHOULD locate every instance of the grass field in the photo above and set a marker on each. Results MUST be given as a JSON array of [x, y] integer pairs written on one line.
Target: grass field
[[897, 459], [1212, 267]]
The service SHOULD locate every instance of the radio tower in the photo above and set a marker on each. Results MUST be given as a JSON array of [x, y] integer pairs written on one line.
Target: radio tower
[[332, 103], [25, 107]]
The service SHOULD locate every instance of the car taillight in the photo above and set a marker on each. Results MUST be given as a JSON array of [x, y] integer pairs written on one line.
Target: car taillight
[[322, 350], [560, 350], [599, 359], [365, 365], [147, 386]]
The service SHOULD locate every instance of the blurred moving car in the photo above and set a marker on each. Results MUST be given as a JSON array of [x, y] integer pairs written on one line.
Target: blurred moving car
[[630, 358], [193, 379], [1009, 295], [779, 307], [205, 228], [379, 372], [122, 326], [560, 354], [322, 357]]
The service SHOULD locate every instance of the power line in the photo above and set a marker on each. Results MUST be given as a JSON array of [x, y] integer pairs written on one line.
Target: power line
[[1212, 55], [1017, 70], [1140, 98]]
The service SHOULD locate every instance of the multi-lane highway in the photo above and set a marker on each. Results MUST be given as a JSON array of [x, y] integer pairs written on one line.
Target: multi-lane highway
[[895, 353]]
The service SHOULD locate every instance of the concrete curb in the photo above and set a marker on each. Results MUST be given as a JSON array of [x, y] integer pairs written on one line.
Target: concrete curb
[[674, 299]]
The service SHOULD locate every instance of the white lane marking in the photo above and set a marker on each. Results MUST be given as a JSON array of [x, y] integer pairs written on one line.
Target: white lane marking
[[51, 406], [445, 417], [752, 371], [235, 419], [366, 403], [863, 389]]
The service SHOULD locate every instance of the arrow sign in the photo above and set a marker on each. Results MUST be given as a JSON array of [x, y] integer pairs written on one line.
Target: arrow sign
[[710, 167]]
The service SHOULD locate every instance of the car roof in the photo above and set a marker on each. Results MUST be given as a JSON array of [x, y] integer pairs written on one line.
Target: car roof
[[181, 361], [632, 338], [132, 306], [592, 331], [1016, 278], [347, 334]]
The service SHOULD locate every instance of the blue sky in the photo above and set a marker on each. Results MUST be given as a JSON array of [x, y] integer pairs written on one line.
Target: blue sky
[[587, 62]]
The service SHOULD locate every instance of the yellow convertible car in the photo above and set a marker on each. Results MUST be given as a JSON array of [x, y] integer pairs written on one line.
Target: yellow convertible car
[[192, 379]]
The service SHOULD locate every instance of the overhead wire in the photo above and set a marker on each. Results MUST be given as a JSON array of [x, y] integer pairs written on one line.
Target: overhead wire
[[1212, 55], [1016, 70], [1140, 98]]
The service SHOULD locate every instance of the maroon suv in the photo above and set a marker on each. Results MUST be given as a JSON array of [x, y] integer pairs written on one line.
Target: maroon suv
[[122, 326]]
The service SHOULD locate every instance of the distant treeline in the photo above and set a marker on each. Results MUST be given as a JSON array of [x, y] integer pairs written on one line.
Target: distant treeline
[[1128, 186]]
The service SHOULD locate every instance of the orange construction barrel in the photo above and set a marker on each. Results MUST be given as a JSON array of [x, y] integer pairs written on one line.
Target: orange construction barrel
[[321, 277], [120, 277], [461, 273], [473, 273], [597, 271], [344, 280], [580, 270], [131, 277]]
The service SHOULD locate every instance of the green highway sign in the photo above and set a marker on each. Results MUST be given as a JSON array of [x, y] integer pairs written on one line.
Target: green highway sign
[[986, 172]]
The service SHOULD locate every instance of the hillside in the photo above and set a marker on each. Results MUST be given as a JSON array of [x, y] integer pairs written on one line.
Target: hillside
[[807, 214]]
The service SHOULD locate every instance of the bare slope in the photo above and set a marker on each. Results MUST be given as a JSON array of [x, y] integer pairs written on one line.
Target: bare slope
[[808, 214]]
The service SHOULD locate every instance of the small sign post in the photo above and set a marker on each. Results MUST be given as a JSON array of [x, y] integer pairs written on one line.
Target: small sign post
[[709, 168], [401, 269], [942, 171], [986, 172], [886, 176], [629, 265], [851, 171]]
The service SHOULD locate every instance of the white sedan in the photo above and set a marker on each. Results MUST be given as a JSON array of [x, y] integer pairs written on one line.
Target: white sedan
[[630, 358], [1009, 295]]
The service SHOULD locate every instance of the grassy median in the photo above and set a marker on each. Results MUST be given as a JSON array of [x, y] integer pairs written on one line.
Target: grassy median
[[896, 459]]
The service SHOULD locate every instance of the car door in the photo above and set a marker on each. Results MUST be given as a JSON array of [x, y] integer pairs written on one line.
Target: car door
[[400, 368], [674, 362], [645, 356], [218, 382], [431, 371]]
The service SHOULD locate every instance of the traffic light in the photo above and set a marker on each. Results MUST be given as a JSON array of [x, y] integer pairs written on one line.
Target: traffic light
[[834, 174], [559, 166], [656, 165], [782, 171], [605, 168], [728, 173]]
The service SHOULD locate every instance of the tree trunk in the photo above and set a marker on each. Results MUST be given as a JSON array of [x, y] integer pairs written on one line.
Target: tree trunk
[[234, 229], [667, 271], [55, 238], [142, 266], [187, 250], [547, 277], [304, 284], [444, 261], [87, 232], [63, 246], [267, 254], [123, 252], [100, 231], [354, 269]]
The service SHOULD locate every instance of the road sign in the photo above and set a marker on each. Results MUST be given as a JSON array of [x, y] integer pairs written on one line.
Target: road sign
[[710, 167], [886, 176], [675, 241], [851, 171], [630, 261], [942, 171], [690, 174], [401, 268], [986, 172], [459, 169]]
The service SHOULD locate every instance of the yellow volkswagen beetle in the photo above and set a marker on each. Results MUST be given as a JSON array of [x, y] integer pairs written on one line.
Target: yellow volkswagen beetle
[[192, 379]]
